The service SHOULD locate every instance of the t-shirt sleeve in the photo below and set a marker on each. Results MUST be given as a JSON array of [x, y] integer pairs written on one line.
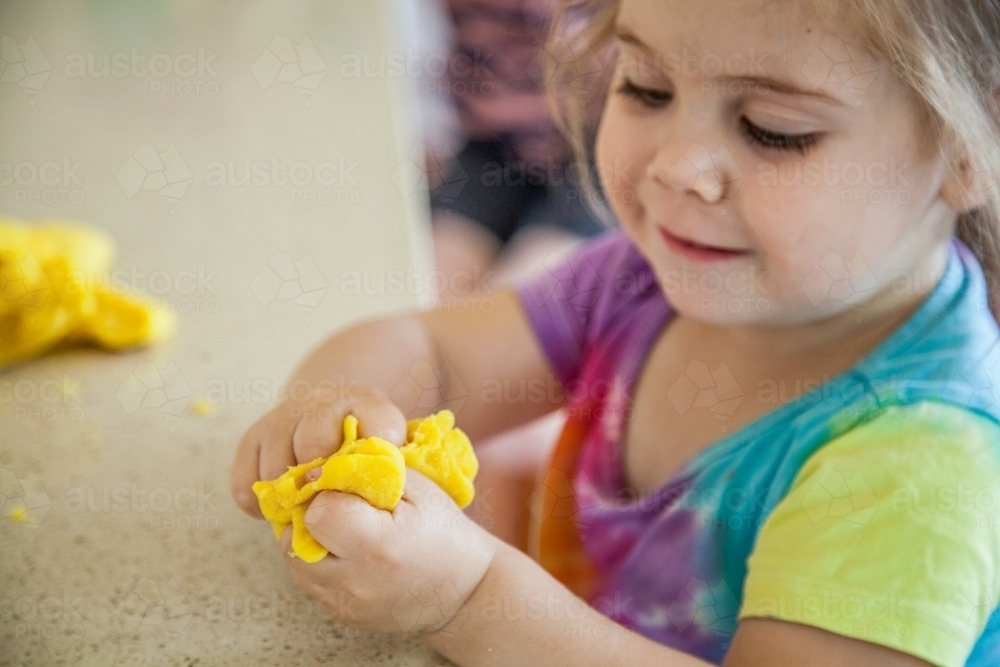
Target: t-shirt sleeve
[[569, 305], [889, 534]]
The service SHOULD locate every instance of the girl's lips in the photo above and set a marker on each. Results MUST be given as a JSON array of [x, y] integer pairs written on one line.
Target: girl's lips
[[697, 252]]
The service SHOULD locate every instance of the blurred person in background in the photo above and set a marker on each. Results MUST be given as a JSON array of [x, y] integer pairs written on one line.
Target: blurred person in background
[[506, 200]]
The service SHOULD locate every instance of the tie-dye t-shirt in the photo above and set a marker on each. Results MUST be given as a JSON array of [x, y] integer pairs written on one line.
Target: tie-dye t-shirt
[[868, 506]]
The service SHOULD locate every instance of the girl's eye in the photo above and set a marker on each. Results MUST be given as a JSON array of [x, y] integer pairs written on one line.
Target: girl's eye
[[648, 97], [777, 141]]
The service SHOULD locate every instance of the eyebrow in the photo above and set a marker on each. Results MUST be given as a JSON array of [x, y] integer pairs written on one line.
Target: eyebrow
[[624, 35]]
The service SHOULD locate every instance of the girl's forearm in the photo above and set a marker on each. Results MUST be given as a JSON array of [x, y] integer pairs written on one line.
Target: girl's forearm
[[520, 615], [461, 357]]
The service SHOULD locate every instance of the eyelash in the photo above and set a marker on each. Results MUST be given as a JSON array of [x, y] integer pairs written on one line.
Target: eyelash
[[776, 141], [800, 143], [646, 96]]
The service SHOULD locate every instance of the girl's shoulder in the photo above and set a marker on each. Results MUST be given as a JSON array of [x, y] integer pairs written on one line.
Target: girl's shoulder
[[897, 517]]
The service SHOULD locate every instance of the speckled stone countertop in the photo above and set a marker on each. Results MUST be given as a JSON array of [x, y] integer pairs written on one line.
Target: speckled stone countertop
[[133, 551]]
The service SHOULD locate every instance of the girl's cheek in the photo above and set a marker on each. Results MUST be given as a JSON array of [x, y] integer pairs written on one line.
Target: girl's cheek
[[619, 165]]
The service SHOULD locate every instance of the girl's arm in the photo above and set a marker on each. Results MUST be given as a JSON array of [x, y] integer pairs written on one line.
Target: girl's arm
[[465, 355], [473, 361], [520, 615]]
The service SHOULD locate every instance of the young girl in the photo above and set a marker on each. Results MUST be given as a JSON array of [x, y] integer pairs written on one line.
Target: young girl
[[783, 443]]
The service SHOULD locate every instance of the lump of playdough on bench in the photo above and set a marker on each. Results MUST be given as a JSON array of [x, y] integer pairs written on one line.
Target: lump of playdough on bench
[[374, 469], [53, 288]]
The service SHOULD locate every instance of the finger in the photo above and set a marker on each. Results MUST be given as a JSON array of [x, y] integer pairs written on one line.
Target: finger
[[276, 445], [380, 417], [245, 472], [317, 578], [319, 431], [285, 542], [346, 524]]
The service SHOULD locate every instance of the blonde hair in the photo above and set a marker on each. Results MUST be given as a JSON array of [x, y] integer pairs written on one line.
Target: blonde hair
[[946, 51]]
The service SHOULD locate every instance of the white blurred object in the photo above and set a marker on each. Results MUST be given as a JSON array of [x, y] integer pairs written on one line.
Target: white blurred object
[[427, 30]]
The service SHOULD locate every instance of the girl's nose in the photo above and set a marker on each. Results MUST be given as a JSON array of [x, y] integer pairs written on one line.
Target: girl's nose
[[690, 167]]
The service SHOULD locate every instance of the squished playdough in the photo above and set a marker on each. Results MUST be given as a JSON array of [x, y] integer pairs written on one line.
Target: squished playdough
[[53, 288], [374, 469]]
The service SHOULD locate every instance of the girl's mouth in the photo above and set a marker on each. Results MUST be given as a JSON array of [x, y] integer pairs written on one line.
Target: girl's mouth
[[698, 252]]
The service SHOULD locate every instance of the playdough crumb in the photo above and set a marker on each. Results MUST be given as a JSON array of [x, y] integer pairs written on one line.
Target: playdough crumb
[[202, 407], [19, 514], [374, 469]]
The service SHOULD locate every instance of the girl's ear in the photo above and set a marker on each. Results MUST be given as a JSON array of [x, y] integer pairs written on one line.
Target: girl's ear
[[966, 187], [973, 182]]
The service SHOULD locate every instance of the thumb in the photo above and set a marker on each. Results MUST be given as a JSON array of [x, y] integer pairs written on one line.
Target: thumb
[[345, 523], [420, 491]]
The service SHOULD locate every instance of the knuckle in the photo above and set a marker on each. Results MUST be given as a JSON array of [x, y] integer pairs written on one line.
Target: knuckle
[[271, 428], [387, 552], [373, 398]]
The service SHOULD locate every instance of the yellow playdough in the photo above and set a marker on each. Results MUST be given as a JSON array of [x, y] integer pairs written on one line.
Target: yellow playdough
[[443, 453], [53, 288], [374, 469]]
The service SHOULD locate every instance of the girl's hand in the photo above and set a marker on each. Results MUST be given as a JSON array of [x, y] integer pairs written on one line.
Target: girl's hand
[[409, 570], [307, 425]]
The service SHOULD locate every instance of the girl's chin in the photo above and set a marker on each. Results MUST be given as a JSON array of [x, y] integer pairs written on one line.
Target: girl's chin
[[724, 311], [721, 309]]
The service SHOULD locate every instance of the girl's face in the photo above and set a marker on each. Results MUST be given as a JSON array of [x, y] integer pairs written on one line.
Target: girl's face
[[769, 169]]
